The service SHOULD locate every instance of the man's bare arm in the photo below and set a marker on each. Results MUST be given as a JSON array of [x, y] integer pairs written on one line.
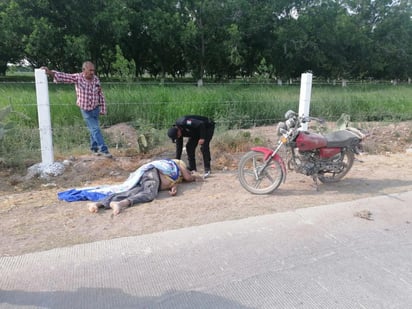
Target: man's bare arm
[[187, 175]]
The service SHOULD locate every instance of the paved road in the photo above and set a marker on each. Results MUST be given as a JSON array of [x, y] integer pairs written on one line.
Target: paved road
[[321, 257]]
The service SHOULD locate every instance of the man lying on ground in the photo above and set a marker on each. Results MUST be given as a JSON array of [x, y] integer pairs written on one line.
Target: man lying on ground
[[157, 175]]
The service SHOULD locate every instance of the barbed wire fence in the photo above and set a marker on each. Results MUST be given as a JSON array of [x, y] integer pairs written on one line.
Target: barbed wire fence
[[69, 133]]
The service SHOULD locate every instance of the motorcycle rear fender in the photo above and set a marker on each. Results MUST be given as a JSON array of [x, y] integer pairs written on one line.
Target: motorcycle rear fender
[[267, 153]]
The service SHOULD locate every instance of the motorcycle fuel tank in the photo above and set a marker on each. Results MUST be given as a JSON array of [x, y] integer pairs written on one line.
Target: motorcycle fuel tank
[[309, 141]]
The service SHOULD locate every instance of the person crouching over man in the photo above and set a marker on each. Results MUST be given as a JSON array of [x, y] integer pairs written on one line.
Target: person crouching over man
[[199, 130]]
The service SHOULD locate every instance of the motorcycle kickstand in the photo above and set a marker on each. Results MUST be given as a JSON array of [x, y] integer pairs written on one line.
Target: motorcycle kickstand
[[358, 160], [315, 180]]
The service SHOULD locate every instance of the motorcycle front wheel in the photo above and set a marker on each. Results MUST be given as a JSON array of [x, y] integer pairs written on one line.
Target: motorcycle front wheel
[[344, 161], [256, 177]]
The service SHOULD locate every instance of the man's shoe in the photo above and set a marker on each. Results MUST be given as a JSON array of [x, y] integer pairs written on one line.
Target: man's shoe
[[207, 174], [105, 154]]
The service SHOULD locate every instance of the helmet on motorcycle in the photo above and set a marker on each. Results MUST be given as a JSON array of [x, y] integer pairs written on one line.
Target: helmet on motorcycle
[[290, 114]]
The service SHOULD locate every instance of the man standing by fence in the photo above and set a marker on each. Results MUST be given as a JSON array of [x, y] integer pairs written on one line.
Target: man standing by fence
[[90, 100], [199, 130]]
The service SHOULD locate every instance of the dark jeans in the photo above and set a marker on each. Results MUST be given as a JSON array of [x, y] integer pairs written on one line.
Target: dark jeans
[[205, 149], [145, 191]]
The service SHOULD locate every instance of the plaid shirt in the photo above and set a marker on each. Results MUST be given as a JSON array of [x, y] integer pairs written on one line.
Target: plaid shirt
[[89, 93]]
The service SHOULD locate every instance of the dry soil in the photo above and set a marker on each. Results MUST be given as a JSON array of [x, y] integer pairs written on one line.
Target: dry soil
[[33, 219]]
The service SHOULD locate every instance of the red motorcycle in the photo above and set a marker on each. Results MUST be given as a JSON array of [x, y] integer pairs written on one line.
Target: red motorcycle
[[327, 158]]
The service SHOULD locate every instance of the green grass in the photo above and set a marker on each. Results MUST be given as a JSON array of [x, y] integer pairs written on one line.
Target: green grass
[[230, 105], [157, 106], [364, 103]]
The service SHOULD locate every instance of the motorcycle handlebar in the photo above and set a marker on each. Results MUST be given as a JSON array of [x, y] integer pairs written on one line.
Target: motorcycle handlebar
[[309, 119], [290, 114]]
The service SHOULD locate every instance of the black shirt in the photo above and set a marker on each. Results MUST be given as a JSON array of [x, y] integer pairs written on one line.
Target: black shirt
[[193, 126]]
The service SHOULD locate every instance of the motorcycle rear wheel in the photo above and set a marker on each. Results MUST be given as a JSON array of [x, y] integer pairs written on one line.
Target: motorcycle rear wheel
[[347, 157], [257, 179]]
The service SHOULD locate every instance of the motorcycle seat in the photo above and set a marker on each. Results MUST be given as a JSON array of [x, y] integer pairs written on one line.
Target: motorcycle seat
[[342, 138]]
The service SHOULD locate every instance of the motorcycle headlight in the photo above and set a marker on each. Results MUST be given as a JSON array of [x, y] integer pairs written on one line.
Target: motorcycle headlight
[[281, 127], [290, 123]]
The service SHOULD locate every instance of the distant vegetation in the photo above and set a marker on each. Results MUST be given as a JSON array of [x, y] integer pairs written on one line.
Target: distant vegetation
[[213, 39]]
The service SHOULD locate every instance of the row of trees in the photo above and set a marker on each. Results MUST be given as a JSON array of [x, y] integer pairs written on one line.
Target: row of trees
[[335, 39]]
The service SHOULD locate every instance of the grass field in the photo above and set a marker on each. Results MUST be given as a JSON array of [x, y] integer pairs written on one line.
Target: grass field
[[154, 106]]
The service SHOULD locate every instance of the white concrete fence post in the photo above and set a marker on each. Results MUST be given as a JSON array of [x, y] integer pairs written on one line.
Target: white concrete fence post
[[43, 110], [305, 95]]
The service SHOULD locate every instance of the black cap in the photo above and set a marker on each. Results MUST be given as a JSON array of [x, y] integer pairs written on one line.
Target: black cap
[[172, 133]]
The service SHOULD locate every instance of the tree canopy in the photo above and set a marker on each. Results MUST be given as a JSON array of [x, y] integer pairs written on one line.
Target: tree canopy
[[335, 39]]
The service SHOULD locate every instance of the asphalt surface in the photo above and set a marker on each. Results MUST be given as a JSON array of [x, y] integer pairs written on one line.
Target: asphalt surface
[[346, 255]]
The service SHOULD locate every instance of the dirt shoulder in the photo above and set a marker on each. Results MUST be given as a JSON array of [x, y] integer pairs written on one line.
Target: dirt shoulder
[[33, 219]]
